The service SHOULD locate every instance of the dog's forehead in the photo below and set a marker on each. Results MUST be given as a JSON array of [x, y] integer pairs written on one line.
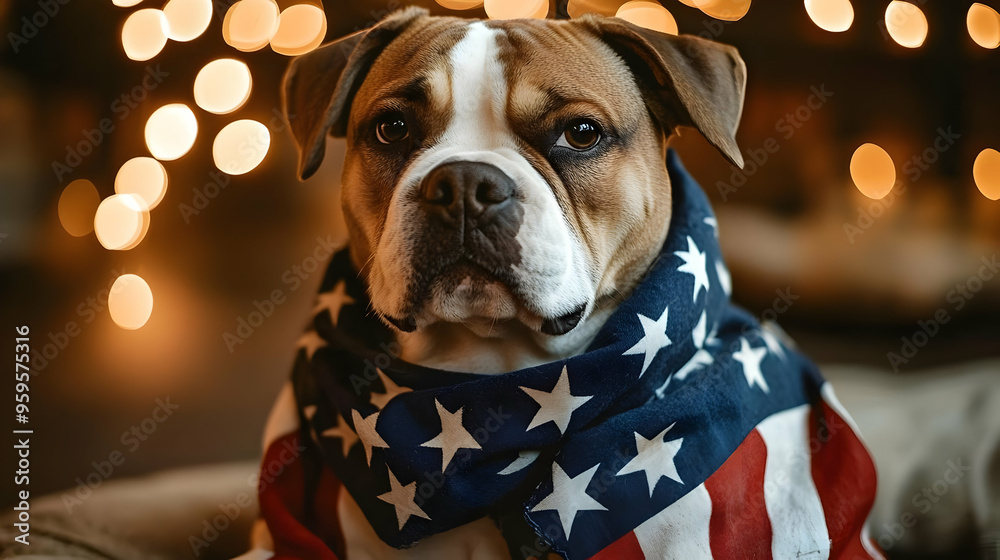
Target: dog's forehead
[[544, 63]]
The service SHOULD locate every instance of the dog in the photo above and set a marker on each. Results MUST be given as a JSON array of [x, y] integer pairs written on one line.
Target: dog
[[505, 191]]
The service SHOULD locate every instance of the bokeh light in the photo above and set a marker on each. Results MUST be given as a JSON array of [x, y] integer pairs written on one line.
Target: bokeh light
[[144, 177], [727, 10], [171, 131], [986, 172], [144, 34], [250, 24], [223, 86], [831, 15], [460, 4], [241, 146], [121, 222], [301, 28], [187, 19], [984, 26], [125, 3], [873, 171], [577, 8], [906, 24], [650, 15], [130, 302], [516, 9], [77, 206]]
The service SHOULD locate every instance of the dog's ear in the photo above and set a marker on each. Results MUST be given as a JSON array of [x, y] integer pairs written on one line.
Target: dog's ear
[[319, 86], [689, 81]]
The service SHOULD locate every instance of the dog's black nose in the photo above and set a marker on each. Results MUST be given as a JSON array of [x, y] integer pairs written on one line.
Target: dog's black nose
[[466, 189]]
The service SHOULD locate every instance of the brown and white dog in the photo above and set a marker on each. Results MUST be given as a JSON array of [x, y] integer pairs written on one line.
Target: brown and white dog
[[504, 187]]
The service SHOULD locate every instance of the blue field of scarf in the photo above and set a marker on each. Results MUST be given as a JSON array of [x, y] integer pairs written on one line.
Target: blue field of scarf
[[587, 448]]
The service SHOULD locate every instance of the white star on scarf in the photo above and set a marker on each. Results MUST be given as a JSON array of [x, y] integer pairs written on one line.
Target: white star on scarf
[[333, 301], [524, 459], [655, 458], [751, 358], [557, 405], [365, 427], [773, 344], [311, 342], [711, 221], [343, 431], [725, 280], [391, 391], [453, 435], [655, 338], [701, 356], [569, 496], [403, 500], [695, 264]]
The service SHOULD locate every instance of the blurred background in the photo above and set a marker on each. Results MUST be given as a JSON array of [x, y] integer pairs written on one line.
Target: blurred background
[[863, 217]]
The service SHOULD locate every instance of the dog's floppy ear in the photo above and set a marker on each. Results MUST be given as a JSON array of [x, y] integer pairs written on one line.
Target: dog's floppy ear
[[320, 85], [690, 81]]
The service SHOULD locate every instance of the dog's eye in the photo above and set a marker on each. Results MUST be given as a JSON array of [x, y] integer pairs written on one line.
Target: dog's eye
[[392, 129], [580, 135]]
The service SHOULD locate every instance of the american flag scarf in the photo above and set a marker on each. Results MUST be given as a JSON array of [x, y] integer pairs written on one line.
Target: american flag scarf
[[687, 430]]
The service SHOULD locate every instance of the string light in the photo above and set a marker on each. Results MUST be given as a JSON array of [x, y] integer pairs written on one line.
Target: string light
[[650, 15], [301, 28], [986, 172], [223, 86], [906, 24], [241, 146], [171, 131], [187, 19], [831, 15], [460, 4], [727, 10], [984, 26], [121, 222], [145, 178], [873, 171], [77, 206], [515, 9], [130, 302], [144, 34], [577, 8], [249, 24]]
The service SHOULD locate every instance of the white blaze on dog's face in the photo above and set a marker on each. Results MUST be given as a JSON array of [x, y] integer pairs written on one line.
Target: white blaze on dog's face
[[507, 172]]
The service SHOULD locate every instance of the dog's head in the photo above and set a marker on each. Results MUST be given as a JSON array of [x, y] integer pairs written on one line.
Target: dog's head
[[508, 171]]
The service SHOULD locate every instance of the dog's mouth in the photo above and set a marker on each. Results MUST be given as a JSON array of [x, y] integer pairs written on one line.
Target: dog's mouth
[[469, 292]]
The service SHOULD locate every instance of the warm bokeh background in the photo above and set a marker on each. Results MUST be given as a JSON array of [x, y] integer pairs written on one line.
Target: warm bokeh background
[[784, 229]]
